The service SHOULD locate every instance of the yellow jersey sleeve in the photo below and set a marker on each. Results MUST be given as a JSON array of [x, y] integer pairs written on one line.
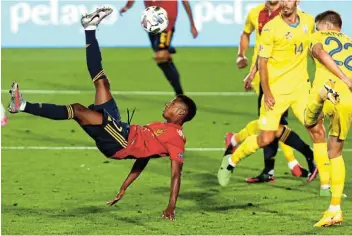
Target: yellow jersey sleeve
[[315, 39], [266, 41], [248, 26]]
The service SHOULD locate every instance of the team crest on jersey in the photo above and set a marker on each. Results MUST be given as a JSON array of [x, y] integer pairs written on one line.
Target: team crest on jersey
[[159, 132], [261, 48], [288, 35], [305, 29]]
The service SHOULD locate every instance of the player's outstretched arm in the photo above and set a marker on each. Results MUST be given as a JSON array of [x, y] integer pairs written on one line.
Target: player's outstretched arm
[[269, 100], [188, 9], [136, 170], [247, 82], [128, 5], [242, 61], [324, 58], [176, 169]]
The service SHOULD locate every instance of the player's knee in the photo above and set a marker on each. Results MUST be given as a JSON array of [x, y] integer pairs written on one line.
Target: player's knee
[[266, 138], [334, 153], [78, 110], [162, 56], [102, 83], [317, 133]]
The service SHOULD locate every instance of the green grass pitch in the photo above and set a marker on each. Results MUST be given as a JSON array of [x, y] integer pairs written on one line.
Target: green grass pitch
[[65, 191]]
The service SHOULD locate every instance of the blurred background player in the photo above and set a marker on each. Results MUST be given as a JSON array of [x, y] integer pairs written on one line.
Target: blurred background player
[[102, 120], [4, 118], [255, 21], [282, 60], [161, 43], [329, 42]]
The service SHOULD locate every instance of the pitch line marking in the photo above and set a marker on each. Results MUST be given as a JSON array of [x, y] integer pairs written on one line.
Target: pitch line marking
[[94, 148], [135, 93]]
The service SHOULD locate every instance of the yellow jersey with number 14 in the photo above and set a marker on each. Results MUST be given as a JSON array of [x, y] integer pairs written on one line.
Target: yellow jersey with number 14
[[286, 47], [339, 46]]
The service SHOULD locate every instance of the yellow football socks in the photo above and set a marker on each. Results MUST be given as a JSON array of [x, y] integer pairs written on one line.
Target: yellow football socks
[[320, 151], [249, 146], [337, 180], [252, 128], [313, 110], [288, 152]]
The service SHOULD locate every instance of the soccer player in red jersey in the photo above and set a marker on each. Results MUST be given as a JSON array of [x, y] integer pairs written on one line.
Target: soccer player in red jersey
[[102, 121], [161, 43]]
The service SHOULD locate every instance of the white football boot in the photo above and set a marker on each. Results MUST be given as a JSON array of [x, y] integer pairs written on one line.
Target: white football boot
[[94, 19]]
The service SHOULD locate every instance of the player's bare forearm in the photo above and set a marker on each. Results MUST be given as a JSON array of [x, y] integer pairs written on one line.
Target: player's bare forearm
[[244, 43], [176, 169], [324, 58], [136, 170], [269, 100], [189, 11], [263, 73]]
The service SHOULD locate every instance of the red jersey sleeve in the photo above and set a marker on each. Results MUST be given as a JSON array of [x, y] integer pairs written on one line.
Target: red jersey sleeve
[[176, 152], [176, 148]]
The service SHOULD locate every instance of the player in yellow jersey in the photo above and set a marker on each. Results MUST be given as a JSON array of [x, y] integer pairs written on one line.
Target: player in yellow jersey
[[284, 79], [256, 20], [332, 52]]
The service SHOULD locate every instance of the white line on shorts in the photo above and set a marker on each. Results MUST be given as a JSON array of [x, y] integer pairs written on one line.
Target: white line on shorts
[[134, 93], [94, 148]]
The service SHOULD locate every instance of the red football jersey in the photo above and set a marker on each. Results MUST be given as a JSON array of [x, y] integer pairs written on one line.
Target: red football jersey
[[155, 139], [171, 7]]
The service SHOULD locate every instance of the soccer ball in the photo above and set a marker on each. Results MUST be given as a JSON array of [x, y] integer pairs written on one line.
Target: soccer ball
[[154, 20]]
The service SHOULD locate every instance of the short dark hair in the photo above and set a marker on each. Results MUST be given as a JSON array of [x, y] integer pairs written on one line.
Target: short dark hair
[[191, 106], [329, 16]]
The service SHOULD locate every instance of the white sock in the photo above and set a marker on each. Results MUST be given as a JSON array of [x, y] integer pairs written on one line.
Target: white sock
[[233, 140], [333, 208], [271, 172], [325, 186], [231, 162], [23, 106], [91, 27], [292, 164]]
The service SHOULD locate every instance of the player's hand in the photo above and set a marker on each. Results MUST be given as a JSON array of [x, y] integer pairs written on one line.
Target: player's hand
[[116, 199], [123, 10], [194, 31], [269, 101], [169, 213], [242, 62], [247, 82]]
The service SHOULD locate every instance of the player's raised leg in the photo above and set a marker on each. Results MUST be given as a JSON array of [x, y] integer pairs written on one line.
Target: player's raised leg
[[76, 111], [93, 55]]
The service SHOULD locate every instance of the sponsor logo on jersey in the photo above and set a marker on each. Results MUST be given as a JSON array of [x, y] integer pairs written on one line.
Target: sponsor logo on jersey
[[288, 35], [159, 132]]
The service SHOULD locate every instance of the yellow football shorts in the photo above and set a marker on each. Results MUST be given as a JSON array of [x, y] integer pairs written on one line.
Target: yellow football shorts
[[270, 119], [340, 121]]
